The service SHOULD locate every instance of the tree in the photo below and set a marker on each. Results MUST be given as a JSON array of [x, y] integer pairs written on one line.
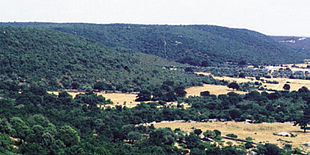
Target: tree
[[268, 149], [69, 136], [21, 128], [303, 89], [286, 87], [133, 136], [304, 120], [144, 95], [180, 92], [197, 151], [162, 136], [102, 86], [205, 93], [188, 69], [197, 132], [205, 63], [5, 144], [233, 85], [242, 75]]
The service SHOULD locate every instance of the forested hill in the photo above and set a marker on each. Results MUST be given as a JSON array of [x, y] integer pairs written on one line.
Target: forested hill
[[193, 44], [298, 43], [58, 60]]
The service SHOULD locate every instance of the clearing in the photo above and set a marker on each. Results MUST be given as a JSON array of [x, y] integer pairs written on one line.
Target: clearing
[[262, 132], [118, 99], [295, 84], [213, 89]]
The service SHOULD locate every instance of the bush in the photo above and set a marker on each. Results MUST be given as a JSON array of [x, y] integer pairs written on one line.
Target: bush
[[232, 135], [205, 93]]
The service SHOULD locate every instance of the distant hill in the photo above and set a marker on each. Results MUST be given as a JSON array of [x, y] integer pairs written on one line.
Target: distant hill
[[299, 43], [58, 60], [200, 45]]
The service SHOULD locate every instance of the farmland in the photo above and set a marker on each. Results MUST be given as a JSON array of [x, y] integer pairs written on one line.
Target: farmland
[[118, 99], [213, 89], [262, 132], [295, 84]]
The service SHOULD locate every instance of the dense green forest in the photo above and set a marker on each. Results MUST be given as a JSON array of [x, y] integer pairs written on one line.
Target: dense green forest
[[58, 60], [34, 122], [201, 45]]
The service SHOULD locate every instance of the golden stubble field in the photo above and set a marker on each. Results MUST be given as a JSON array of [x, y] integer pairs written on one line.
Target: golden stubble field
[[219, 89], [119, 99], [213, 89], [262, 132]]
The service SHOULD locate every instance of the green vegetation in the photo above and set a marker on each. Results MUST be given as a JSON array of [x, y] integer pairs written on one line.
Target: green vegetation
[[200, 45], [42, 123], [59, 60], [105, 57]]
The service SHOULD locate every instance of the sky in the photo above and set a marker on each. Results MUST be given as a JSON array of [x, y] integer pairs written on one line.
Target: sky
[[271, 17]]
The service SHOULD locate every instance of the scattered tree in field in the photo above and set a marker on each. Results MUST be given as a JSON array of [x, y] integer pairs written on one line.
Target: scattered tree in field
[[304, 120], [287, 87], [303, 89], [233, 85], [205, 93], [197, 132]]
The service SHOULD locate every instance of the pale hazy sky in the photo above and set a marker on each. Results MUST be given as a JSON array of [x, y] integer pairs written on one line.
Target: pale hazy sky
[[273, 17]]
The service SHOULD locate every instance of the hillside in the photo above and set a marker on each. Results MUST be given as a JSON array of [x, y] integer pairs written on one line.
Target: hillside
[[299, 43], [201, 45], [58, 60]]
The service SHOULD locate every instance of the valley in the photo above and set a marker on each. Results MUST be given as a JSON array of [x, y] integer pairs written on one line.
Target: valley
[[74, 88]]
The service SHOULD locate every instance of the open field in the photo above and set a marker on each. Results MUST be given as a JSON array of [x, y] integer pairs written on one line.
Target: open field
[[216, 89], [117, 98], [213, 89], [120, 99], [259, 132], [294, 83], [230, 79], [304, 65]]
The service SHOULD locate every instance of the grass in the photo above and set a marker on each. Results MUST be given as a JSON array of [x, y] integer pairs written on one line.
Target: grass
[[295, 84], [122, 99], [262, 132], [213, 89], [119, 99]]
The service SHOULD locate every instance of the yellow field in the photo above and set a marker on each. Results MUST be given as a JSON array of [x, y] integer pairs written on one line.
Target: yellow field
[[213, 89], [259, 132], [230, 79], [123, 99], [294, 83], [117, 98], [120, 99], [290, 66]]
